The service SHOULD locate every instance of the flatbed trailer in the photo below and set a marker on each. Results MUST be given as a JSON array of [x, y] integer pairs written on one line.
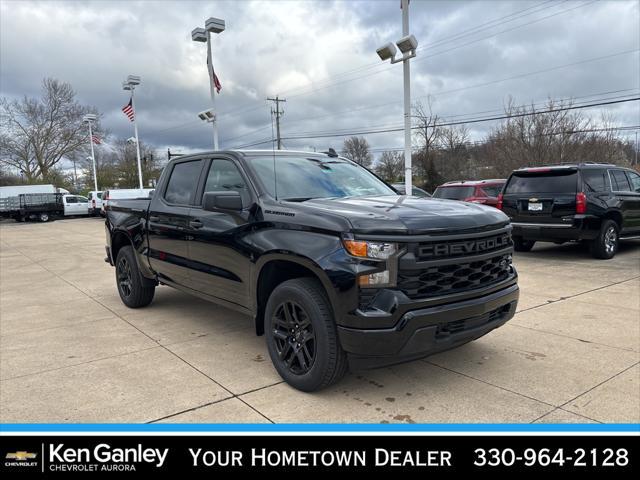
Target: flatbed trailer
[[32, 206]]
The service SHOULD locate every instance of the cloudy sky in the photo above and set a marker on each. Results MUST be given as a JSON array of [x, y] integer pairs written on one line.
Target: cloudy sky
[[320, 56]]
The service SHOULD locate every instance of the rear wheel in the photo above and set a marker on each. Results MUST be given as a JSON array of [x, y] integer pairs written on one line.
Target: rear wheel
[[44, 217], [135, 290], [522, 245], [302, 337], [605, 245]]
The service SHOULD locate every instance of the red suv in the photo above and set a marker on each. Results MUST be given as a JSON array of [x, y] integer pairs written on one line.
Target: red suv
[[476, 191]]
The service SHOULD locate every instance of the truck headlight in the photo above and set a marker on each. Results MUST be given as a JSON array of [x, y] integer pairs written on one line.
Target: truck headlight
[[373, 250], [366, 249]]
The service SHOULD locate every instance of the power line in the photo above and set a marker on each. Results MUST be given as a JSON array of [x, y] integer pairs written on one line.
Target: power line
[[477, 85], [426, 57], [422, 58], [446, 124], [471, 115], [451, 117], [383, 67]]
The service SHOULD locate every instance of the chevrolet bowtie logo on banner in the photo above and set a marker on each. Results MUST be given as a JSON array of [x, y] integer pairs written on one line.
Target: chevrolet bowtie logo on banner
[[20, 460], [21, 456]]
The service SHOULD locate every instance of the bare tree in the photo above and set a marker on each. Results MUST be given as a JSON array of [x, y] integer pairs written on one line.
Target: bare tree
[[427, 134], [453, 157], [357, 149], [37, 133], [390, 166], [127, 163]]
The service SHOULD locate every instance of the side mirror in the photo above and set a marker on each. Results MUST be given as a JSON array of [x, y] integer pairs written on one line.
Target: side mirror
[[213, 201]]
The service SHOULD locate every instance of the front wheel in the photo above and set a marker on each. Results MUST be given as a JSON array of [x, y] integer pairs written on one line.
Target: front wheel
[[605, 245], [522, 245], [302, 337], [135, 290]]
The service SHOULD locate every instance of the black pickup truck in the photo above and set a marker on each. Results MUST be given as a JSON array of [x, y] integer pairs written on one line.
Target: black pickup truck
[[335, 267]]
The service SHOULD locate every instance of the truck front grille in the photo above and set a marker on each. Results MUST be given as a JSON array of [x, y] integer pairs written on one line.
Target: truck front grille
[[453, 278]]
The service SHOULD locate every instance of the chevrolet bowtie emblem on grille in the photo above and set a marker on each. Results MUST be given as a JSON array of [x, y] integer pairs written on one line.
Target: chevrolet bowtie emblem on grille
[[21, 456], [533, 200]]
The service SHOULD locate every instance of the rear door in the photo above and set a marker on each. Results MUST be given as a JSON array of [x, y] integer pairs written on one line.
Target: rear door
[[220, 263], [634, 200], [541, 195], [627, 200], [169, 220]]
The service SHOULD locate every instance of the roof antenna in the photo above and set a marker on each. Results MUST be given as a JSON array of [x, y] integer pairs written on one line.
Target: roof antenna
[[332, 153]]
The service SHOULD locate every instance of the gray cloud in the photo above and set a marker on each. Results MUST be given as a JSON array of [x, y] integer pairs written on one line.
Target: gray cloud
[[301, 51]]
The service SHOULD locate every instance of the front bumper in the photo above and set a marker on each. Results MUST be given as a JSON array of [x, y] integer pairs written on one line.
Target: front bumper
[[426, 331]]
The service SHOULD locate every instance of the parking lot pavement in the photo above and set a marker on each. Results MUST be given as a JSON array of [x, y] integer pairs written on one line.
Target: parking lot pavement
[[70, 351]]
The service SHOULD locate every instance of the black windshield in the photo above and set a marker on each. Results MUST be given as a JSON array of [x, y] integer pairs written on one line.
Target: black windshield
[[302, 178]]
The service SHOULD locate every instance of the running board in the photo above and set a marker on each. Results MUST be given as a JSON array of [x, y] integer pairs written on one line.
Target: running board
[[634, 237]]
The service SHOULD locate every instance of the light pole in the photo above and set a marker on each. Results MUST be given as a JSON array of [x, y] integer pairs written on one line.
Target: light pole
[[407, 45], [130, 85], [89, 119], [212, 25]]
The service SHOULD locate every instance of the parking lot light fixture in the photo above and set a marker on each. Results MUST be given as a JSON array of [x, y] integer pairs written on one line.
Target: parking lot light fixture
[[130, 85], [202, 35], [89, 118], [407, 46]]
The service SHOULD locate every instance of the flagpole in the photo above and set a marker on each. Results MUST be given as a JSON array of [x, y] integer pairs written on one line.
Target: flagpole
[[93, 159], [135, 130], [213, 92]]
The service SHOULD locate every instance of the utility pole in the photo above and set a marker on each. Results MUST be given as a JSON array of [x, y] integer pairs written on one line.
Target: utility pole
[[408, 171], [277, 112]]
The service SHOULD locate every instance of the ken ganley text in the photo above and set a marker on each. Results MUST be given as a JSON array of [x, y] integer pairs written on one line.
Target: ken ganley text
[[262, 457]]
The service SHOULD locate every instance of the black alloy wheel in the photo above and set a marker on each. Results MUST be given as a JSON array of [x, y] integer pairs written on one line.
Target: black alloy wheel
[[124, 277], [295, 338]]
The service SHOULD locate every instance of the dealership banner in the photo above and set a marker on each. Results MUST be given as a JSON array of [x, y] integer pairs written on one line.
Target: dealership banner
[[203, 455]]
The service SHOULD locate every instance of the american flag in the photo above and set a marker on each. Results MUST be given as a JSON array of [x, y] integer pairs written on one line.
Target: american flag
[[216, 82], [96, 139], [128, 110]]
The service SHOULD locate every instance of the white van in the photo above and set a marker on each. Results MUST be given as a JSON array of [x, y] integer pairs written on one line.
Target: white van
[[95, 202], [123, 193], [75, 205]]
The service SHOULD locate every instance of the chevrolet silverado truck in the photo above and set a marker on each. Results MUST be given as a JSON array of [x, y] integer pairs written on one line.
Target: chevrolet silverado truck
[[334, 267]]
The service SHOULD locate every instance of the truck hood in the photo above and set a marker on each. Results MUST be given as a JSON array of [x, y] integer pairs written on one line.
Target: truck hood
[[407, 215]]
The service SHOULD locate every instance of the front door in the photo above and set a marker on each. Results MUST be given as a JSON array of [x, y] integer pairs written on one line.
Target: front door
[[220, 261], [169, 221]]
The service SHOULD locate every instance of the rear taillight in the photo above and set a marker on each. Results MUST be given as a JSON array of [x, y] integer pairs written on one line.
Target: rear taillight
[[499, 204], [581, 203]]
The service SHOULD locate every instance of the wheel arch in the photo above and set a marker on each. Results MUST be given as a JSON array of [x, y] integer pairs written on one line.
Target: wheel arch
[[274, 269]]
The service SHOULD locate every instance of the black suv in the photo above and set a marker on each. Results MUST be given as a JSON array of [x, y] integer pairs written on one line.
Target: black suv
[[596, 203]]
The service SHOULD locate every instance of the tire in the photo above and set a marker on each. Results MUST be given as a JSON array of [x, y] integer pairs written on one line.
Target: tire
[[308, 357], [605, 245], [135, 290], [522, 245], [44, 217]]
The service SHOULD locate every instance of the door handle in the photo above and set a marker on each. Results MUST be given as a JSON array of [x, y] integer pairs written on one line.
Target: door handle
[[153, 218], [195, 224]]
